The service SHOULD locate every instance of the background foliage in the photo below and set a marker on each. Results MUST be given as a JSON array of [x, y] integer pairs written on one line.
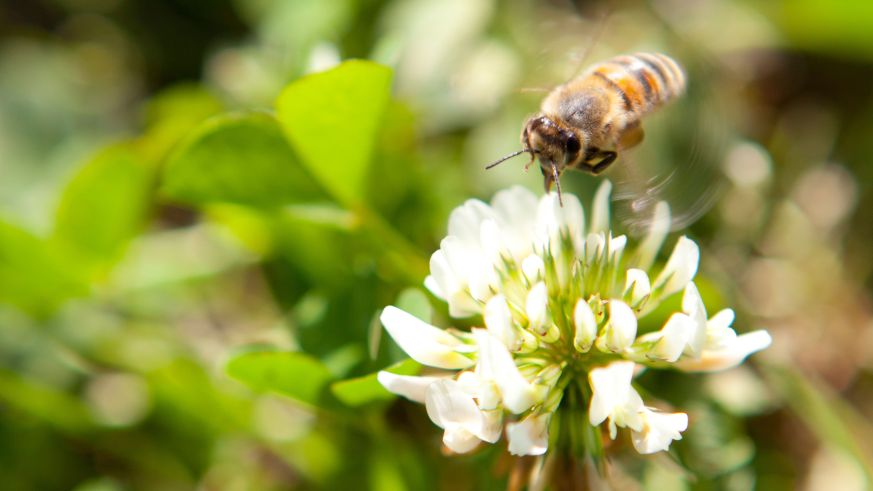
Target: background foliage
[[199, 226]]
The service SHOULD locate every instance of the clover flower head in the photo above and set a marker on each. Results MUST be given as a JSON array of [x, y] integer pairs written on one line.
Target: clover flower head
[[560, 304]]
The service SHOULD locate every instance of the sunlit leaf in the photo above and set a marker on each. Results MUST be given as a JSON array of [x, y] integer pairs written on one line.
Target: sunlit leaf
[[296, 375], [332, 119], [238, 158], [364, 390], [103, 207], [32, 276]]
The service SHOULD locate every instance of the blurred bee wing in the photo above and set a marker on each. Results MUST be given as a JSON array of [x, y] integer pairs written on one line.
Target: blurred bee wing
[[637, 192], [686, 169], [600, 20]]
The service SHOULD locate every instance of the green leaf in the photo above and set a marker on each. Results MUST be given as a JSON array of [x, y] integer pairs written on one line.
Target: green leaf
[[359, 391], [238, 158], [332, 120], [55, 407], [842, 29], [415, 302], [830, 418], [171, 115], [32, 276], [103, 207], [296, 375]]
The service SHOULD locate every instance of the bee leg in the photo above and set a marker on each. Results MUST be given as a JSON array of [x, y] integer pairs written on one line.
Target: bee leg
[[527, 165], [596, 160], [607, 158]]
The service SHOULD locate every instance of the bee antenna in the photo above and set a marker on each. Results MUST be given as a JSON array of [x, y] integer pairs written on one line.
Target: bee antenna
[[513, 154], [557, 183]]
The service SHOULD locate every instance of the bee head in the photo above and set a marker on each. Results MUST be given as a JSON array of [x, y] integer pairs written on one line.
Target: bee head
[[553, 142]]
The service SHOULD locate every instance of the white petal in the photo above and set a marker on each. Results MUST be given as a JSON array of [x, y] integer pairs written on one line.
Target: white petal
[[448, 405], [534, 268], [480, 384], [673, 338], [536, 306], [465, 220], [469, 265], [515, 209], [491, 241], [658, 431], [600, 208], [548, 226], [492, 425], [729, 355], [658, 230], [615, 246], [454, 410], [459, 256], [614, 397], [620, 330], [721, 320], [441, 282], [636, 286], [459, 440], [595, 244], [585, 324], [680, 268], [498, 320], [529, 436], [434, 287], [518, 394], [553, 219], [446, 284], [423, 342], [692, 305], [408, 386]]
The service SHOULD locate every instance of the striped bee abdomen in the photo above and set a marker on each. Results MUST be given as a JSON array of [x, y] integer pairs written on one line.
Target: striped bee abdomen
[[642, 81]]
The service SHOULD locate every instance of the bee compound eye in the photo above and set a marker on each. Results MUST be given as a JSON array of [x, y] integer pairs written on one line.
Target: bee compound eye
[[573, 145]]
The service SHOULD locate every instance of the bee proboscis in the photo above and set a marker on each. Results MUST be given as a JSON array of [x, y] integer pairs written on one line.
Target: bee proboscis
[[584, 123]]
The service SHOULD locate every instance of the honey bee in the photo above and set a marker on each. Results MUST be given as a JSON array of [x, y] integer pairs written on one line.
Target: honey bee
[[584, 123]]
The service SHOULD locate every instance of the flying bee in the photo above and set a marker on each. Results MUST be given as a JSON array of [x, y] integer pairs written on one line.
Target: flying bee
[[584, 123]]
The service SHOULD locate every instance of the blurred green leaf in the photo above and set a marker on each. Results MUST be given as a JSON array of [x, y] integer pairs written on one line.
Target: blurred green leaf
[[296, 375], [103, 207], [414, 301], [840, 28], [323, 252], [32, 276], [332, 120], [57, 408], [238, 158], [181, 105], [830, 418], [172, 114], [364, 390]]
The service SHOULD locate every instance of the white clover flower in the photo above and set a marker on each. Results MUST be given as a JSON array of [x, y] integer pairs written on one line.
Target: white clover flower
[[559, 303], [614, 397], [658, 430]]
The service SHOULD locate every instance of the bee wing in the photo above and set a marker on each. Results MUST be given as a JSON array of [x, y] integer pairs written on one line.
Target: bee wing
[[637, 191], [680, 162]]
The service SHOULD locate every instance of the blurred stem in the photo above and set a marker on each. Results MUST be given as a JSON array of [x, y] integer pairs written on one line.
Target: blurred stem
[[825, 414], [577, 456], [592, 439]]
